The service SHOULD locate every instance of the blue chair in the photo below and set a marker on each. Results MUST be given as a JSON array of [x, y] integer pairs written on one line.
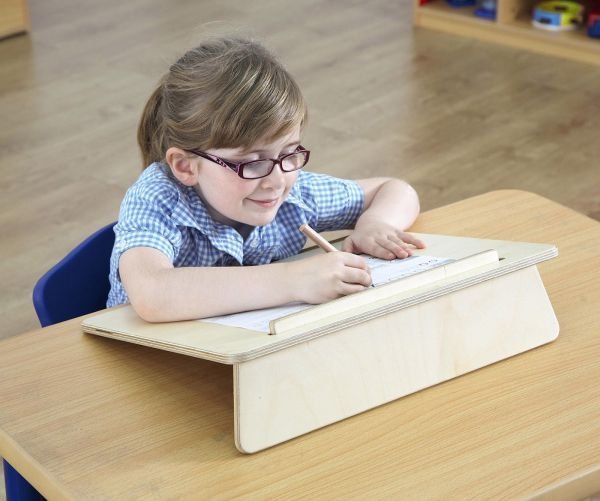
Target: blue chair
[[77, 285]]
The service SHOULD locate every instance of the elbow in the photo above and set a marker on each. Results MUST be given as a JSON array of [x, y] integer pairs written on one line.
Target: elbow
[[146, 309], [145, 277], [149, 304], [410, 202], [414, 196]]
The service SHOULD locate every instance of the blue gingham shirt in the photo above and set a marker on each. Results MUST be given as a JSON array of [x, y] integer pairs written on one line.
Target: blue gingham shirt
[[161, 213]]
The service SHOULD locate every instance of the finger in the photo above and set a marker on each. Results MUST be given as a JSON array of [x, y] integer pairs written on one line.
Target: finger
[[348, 245], [347, 289], [411, 239], [356, 276], [400, 248], [381, 252], [391, 248], [355, 261]]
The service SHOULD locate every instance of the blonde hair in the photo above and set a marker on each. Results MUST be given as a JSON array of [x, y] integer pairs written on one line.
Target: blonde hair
[[225, 93]]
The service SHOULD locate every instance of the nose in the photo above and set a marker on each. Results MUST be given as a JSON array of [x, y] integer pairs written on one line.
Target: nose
[[276, 178]]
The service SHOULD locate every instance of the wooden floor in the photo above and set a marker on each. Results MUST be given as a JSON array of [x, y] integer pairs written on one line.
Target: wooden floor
[[453, 116]]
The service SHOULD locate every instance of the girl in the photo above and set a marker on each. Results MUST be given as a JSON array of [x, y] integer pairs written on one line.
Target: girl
[[222, 139]]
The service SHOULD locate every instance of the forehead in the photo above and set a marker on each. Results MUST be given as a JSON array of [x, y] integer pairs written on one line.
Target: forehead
[[272, 145]]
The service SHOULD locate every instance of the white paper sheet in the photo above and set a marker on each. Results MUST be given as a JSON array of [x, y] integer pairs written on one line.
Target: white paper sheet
[[382, 272]]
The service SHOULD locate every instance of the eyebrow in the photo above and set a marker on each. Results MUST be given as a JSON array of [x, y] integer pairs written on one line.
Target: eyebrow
[[293, 143]]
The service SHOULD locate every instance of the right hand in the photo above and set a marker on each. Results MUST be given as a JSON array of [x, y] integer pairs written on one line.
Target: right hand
[[320, 278]]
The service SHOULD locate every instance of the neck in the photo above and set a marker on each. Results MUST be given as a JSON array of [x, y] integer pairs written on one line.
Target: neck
[[244, 230]]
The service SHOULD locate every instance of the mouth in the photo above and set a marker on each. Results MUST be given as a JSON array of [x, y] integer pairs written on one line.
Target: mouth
[[266, 202]]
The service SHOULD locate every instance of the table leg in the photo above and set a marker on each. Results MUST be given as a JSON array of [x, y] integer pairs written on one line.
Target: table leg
[[17, 488]]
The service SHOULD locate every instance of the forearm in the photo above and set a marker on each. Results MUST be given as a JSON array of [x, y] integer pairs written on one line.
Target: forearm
[[159, 292], [171, 294], [394, 202]]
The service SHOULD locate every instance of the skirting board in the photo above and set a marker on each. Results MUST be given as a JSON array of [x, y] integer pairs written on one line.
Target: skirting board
[[306, 386]]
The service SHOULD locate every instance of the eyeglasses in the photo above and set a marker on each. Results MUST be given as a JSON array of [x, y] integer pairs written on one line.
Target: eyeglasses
[[255, 169]]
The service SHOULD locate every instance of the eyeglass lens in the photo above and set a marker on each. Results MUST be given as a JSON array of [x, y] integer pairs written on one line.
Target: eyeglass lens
[[262, 168]]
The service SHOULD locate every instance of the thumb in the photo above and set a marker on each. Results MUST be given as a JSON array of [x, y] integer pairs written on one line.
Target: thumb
[[348, 245]]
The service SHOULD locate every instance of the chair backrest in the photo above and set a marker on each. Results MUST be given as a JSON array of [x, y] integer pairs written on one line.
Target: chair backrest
[[78, 284]]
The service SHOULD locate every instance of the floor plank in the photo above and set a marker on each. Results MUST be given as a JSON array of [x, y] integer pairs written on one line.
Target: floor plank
[[453, 116]]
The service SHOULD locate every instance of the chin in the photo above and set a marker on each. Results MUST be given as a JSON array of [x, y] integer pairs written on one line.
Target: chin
[[262, 219]]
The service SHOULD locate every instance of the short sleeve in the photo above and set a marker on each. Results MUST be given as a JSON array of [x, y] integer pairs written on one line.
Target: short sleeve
[[145, 221], [335, 203]]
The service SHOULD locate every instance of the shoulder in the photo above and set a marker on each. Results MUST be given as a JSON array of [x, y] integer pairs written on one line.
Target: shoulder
[[314, 187], [328, 203], [151, 213], [155, 186]]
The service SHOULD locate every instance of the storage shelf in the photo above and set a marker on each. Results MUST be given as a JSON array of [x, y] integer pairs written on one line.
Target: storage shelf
[[13, 18], [513, 28]]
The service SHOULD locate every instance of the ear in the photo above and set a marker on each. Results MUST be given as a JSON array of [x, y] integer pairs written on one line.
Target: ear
[[184, 168]]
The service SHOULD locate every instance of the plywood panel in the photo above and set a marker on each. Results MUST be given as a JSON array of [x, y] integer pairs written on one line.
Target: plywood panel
[[297, 390]]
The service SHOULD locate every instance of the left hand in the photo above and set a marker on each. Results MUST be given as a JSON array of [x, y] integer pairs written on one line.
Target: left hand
[[382, 240]]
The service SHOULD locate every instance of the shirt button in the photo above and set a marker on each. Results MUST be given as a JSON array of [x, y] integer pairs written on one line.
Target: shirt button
[[254, 243]]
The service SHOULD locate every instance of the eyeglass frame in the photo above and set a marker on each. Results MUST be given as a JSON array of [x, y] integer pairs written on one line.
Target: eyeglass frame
[[239, 167]]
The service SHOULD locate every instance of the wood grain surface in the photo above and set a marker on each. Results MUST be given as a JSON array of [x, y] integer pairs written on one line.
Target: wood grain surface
[[88, 417], [453, 116]]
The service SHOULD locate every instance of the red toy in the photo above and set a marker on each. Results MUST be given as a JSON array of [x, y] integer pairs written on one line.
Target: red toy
[[593, 24]]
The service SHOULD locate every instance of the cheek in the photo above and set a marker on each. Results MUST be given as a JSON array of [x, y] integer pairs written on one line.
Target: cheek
[[240, 190], [291, 180], [226, 187]]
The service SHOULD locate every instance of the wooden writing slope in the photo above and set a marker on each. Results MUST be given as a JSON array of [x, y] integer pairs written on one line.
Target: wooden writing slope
[[332, 361]]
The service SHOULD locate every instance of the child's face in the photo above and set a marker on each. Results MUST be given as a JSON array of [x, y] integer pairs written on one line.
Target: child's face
[[234, 201]]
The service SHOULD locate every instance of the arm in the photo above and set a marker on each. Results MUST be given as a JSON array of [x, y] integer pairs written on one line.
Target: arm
[[160, 293], [391, 206]]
